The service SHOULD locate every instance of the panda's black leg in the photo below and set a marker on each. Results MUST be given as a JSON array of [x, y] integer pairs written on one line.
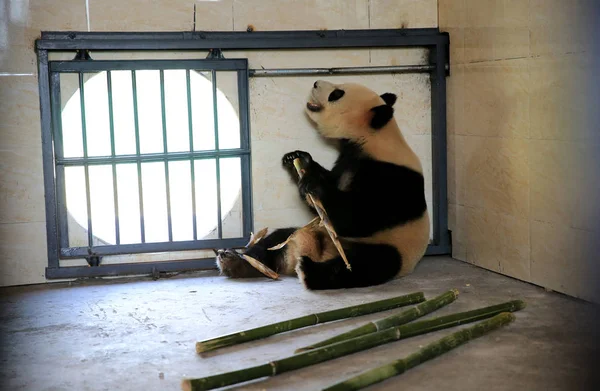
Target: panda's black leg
[[371, 264], [270, 257], [231, 263]]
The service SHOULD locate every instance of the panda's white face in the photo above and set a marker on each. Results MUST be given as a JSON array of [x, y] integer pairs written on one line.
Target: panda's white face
[[343, 110]]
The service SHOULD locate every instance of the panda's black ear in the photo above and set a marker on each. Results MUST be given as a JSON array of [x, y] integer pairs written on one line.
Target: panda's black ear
[[382, 115], [389, 98]]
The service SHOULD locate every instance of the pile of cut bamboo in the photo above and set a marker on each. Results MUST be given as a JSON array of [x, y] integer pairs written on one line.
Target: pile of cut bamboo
[[392, 328]]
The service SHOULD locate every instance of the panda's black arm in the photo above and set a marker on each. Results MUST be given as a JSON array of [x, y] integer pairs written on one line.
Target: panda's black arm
[[370, 204], [352, 214], [321, 184], [348, 214], [315, 180]]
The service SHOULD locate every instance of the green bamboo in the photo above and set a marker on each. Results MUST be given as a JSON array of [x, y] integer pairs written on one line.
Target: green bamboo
[[344, 348], [391, 321], [426, 353], [308, 320]]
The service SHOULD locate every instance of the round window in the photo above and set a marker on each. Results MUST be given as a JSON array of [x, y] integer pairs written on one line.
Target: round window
[[137, 125]]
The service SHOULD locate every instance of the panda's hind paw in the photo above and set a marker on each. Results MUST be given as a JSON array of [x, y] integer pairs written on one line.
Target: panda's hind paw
[[315, 275], [231, 264]]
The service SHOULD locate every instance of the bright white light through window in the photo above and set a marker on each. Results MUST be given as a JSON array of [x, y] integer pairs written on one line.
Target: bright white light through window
[[151, 141]]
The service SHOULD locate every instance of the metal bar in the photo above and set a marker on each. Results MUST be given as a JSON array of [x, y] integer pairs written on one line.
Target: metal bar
[[152, 157], [213, 75], [231, 44], [48, 160], [165, 150], [112, 153], [243, 108], [146, 268], [80, 252], [137, 155], [61, 204], [56, 114], [246, 161], [343, 70], [208, 35], [86, 167], [192, 164], [219, 222], [441, 236], [138, 65], [312, 39]]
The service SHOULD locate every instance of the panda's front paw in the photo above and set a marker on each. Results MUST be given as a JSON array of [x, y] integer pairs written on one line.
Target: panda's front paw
[[288, 158]]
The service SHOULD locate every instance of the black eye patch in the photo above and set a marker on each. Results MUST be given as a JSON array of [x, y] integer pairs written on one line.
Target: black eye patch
[[335, 95]]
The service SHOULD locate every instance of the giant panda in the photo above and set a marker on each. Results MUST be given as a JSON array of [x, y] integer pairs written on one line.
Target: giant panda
[[374, 196]]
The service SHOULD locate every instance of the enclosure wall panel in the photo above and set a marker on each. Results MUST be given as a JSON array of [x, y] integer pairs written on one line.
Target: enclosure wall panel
[[523, 139]]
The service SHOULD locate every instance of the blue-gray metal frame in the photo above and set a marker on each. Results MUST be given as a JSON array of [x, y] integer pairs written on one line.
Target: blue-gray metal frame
[[112, 153], [63, 225], [165, 151], [137, 155], [192, 165], [80, 68], [48, 161], [440, 56], [438, 67]]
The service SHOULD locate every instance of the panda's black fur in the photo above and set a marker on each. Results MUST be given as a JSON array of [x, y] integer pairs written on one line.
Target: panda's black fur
[[360, 212], [380, 210], [372, 201]]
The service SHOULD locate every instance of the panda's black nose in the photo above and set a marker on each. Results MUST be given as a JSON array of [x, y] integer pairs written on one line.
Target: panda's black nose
[[315, 85]]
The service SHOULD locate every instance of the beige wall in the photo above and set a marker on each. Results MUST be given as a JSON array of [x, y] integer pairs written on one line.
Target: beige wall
[[523, 141], [277, 122]]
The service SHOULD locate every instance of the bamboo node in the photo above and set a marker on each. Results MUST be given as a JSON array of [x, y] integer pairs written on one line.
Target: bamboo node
[[186, 385]]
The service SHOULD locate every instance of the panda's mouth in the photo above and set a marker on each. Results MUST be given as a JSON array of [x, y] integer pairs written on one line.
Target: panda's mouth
[[314, 107]]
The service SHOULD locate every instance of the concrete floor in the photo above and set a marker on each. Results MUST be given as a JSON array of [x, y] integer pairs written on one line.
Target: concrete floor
[[140, 335]]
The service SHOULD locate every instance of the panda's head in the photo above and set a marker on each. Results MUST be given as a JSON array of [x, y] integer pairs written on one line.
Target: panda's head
[[349, 111]]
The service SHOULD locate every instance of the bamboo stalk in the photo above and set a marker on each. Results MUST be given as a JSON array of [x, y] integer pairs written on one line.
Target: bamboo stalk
[[424, 354], [255, 238], [310, 224], [308, 320], [391, 321], [261, 267], [344, 348], [324, 217]]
